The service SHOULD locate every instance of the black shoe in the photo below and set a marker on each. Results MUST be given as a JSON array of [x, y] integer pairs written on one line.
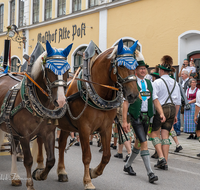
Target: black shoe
[[191, 137], [99, 143], [152, 177], [155, 155], [77, 144], [71, 141], [160, 163], [165, 167], [101, 149], [129, 170], [112, 146], [91, 143], [178, 148], [198, 155], [118, 155], [127, 157]]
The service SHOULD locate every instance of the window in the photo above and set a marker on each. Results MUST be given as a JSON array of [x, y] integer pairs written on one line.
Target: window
[[12, 12], [78, 59], [76, 5], [93, 3], [129, 43], [15, 63], [61, 7], [1, 17], [21, 13], [36, 4], [48, 9]]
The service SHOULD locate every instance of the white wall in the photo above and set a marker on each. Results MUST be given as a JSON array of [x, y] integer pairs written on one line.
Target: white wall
[[103, 30], [188, 42]]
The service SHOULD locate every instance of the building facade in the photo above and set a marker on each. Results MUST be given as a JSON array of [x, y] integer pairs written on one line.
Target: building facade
[[162, 27]]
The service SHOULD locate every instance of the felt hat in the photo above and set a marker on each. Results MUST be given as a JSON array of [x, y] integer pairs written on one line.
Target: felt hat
[[155, 75]]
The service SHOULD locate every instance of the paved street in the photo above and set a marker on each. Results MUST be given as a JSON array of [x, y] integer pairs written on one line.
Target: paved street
[[183, 171]]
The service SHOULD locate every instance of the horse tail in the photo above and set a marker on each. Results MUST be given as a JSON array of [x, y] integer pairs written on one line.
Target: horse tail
[[2, 135], [35, 152]]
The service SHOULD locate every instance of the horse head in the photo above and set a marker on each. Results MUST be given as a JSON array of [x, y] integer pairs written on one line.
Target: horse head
[[52, 68], [124, 66]]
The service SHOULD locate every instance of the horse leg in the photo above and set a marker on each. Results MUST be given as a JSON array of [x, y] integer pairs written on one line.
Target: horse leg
[[20, 156], [40, 158], [62, 174], [28, 161], [105, 140], [14, 173], [49, 142], [86, 157]]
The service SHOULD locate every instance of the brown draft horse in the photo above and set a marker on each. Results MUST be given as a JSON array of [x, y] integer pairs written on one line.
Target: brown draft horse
[[93, 119], [28, 125]]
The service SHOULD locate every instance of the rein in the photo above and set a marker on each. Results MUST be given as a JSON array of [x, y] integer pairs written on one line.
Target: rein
[[43, 91]]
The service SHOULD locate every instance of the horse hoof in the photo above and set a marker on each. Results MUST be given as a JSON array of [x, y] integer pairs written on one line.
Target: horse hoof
[[89, 186], [35, 174], [16, 182], [62, 178], [30, 188], [92, 173]]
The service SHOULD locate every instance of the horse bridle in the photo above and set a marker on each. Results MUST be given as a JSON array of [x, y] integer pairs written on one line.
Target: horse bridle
[[55, 83], [121, 80]]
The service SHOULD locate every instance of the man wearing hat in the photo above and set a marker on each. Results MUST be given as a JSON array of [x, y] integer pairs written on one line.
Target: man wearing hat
[[167, 92], [155, 75], [140, 112]]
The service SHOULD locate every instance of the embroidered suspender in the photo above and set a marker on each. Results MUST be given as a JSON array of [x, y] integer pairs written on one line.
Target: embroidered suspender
[[170, 93]]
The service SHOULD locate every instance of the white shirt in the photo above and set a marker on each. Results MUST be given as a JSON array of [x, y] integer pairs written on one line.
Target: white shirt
[[183, 82], [160, 90], [198, 99], [144, 106], [193, 69], [188, 69]]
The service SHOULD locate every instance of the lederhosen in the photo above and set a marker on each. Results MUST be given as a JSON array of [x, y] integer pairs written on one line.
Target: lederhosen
[[140, 123], [169, 111]]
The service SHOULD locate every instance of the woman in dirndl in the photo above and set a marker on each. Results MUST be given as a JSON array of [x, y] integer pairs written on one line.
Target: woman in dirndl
[[189, 124]]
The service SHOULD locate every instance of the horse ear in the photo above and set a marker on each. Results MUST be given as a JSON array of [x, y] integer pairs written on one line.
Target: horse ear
[[49, 49], [67, 50], [120, 47], [134, 46]]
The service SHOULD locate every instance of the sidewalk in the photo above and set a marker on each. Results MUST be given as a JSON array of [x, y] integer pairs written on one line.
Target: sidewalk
[[191, 147]]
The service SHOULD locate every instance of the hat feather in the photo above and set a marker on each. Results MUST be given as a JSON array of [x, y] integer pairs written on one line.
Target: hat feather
[[167, 61], [139, 56]]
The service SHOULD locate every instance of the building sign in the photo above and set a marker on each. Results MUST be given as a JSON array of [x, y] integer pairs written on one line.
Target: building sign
[[62, 33]]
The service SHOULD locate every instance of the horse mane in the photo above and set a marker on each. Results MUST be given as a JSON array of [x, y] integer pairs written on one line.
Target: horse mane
[[114, 53], [37, 66]]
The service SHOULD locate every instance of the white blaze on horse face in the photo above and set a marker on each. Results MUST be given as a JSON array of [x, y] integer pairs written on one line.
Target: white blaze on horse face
[[61, 93]]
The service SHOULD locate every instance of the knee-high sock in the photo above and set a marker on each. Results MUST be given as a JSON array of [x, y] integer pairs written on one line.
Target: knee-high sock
[[132, 157], [146, 159]]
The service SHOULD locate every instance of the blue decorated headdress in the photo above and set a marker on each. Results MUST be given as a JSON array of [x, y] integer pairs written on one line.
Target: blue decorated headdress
[[125, 56], [56, 60]]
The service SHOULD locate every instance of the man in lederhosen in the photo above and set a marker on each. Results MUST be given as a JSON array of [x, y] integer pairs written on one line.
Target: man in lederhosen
[[167, 92], [140, 113]]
